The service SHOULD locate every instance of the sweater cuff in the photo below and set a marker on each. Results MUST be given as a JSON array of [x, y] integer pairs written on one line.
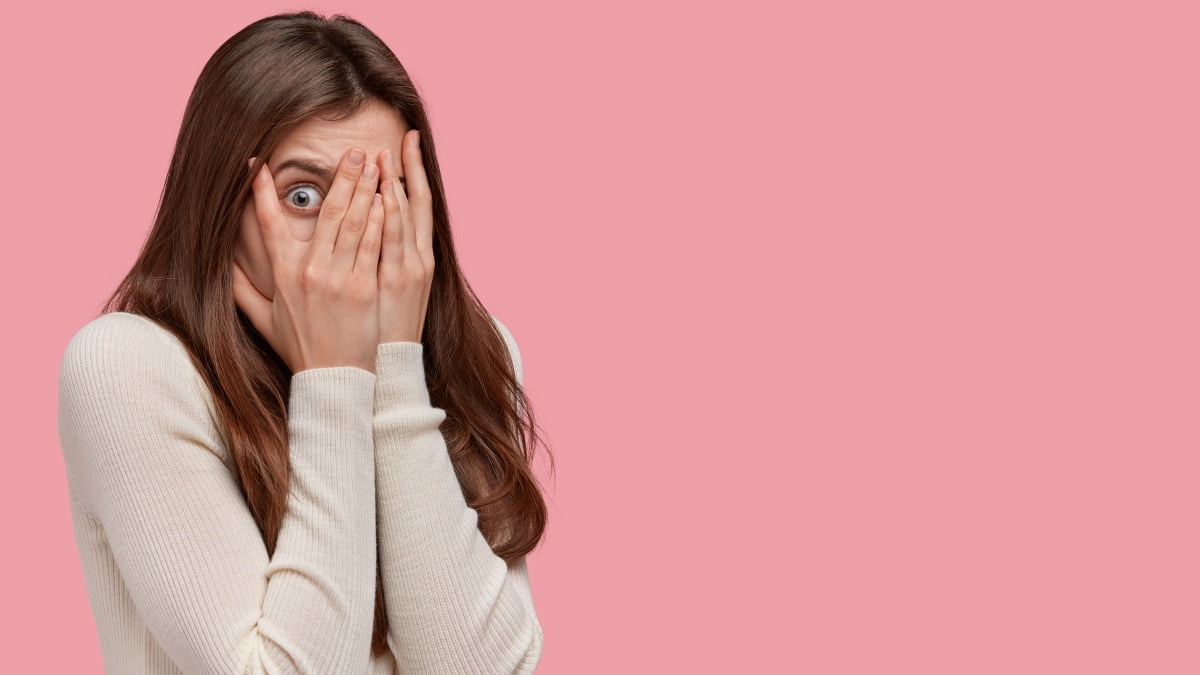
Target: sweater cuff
[[329, 410], [336, 390], [400, 375]]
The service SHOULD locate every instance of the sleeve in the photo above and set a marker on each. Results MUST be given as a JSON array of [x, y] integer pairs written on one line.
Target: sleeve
[[139, 442], [453, 605]]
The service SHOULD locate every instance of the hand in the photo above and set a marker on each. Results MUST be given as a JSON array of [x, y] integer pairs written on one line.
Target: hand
[[406, 263], [325, 312]]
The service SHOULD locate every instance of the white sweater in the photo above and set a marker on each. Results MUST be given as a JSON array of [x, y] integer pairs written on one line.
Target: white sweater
[[177, 573]]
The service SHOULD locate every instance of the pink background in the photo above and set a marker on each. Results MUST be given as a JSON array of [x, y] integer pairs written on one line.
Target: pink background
[[865, 338]]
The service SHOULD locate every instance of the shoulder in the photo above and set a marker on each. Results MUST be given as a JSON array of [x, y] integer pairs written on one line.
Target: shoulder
[[122, 326], [119, 342], [514, 351], [123, 363], [130, 400]]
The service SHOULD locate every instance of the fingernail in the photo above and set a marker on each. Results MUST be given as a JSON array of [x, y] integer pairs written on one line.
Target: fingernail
[[370, 172], [357, 157], [387, 159]]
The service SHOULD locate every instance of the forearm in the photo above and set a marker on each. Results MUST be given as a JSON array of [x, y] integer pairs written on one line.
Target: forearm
[[453, 605]]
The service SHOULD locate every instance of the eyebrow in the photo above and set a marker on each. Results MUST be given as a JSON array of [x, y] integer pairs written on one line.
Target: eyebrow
[[309, 165], [312, 166]]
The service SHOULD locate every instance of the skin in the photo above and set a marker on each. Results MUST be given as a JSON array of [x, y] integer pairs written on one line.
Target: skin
[[374, 129], [315, 255]]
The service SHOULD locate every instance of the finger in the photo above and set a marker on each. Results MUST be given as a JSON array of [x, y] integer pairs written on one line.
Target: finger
[[366, 263], [253, 304], [337, 202], [410, 215], [266, 210], [354, 223], [395, 205], [420, 197], [393, 173]]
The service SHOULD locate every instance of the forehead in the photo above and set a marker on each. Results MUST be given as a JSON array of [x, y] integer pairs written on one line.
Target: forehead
[[374, 128]]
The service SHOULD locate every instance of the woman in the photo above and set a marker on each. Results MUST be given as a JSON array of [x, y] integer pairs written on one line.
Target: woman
[[295, 439]]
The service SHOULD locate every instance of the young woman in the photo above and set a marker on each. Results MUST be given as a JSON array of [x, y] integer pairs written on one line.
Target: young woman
[[295, 439]]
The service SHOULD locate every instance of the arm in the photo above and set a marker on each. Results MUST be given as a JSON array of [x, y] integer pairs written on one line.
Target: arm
[[452, 604], [144, 459]]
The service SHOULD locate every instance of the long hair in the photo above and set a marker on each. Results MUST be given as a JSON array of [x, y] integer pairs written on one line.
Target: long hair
[[259, 85]]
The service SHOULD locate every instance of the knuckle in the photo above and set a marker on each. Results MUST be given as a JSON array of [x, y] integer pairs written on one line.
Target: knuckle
[[333, 210], [414, 273], [369, 245], [419, 193], [310, 275]]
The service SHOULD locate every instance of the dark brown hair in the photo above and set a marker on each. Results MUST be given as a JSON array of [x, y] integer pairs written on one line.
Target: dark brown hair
[[259, 85]]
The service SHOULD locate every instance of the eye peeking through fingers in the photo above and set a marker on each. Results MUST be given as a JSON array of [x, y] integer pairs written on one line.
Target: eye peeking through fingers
[[301, 198]]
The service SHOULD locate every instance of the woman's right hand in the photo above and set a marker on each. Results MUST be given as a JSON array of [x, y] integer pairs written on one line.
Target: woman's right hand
[[326, 307]]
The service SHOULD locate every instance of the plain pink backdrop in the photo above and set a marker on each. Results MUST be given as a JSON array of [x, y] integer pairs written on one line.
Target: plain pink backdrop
[[865, 334]]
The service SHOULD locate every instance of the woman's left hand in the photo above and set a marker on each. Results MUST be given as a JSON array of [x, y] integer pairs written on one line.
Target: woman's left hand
[[406, 258]]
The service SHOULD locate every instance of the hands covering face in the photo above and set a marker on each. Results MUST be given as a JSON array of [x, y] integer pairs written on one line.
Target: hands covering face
[[406, 262], [363, 278]]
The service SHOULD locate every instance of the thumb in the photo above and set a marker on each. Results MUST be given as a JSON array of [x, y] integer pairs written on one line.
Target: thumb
[[253, 304]]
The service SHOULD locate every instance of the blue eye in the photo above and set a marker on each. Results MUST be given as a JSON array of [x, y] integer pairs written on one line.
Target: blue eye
[[305, 194]]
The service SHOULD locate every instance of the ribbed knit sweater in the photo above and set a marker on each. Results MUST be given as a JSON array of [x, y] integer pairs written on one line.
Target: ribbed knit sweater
[[177, 573]]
